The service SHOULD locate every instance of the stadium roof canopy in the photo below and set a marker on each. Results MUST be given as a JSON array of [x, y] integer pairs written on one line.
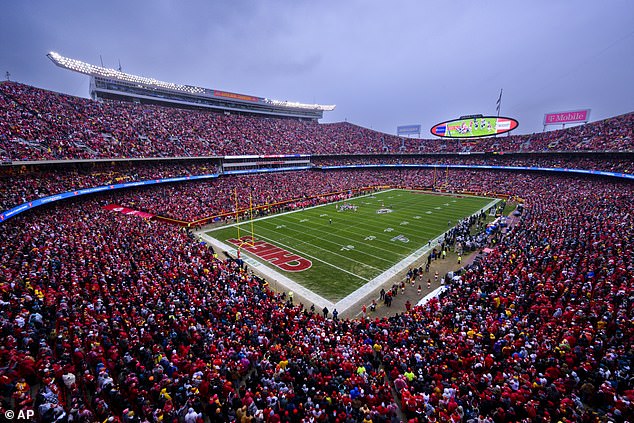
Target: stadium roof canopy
[[112, 83]]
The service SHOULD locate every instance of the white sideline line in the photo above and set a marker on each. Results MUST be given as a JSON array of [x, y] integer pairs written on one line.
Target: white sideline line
[[351, 299], [272, 274]]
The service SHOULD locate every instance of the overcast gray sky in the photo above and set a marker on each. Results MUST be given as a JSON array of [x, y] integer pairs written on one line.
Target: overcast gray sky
[[383, 63]]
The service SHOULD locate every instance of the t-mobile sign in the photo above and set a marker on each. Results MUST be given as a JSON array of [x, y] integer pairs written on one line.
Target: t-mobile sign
[[567, 117]]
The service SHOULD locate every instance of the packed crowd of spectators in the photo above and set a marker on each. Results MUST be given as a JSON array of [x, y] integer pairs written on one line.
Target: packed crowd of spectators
[[35, 181], [41, 125], [619, 163], [191, 202], [539, 331], [614, 134], [27, 183], [107, 317]]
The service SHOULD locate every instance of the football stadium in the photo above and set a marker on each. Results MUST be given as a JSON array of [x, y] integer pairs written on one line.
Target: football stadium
[[177, 253]]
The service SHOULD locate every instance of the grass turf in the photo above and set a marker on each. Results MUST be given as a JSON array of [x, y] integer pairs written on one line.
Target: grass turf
[[349, 248]]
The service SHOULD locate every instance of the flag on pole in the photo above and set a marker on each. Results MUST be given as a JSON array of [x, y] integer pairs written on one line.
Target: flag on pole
[[499, 102]]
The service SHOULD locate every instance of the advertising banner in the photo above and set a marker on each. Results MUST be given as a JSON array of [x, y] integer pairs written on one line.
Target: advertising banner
[[560, 118], [127, 211], [236, 96], [85, 191], [408, 130]]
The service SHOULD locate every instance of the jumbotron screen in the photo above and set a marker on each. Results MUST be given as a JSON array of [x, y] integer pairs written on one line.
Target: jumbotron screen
[[474, 127]]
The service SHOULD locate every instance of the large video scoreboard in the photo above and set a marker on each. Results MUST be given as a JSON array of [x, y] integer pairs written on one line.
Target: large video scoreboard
[[474, 126]]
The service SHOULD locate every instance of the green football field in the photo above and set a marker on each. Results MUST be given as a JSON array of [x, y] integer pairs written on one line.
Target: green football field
[[333, 252], [479, 127]]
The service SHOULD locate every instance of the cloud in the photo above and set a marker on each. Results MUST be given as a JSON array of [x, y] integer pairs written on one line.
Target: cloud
[[383, 63]]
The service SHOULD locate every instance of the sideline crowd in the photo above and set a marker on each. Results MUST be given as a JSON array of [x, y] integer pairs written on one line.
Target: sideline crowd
[[27, 183]]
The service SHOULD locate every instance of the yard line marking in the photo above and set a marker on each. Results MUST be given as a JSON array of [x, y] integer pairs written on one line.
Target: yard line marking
[[332, 252], [329, 241], [363, 224], [273, 274], [318, 259]]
